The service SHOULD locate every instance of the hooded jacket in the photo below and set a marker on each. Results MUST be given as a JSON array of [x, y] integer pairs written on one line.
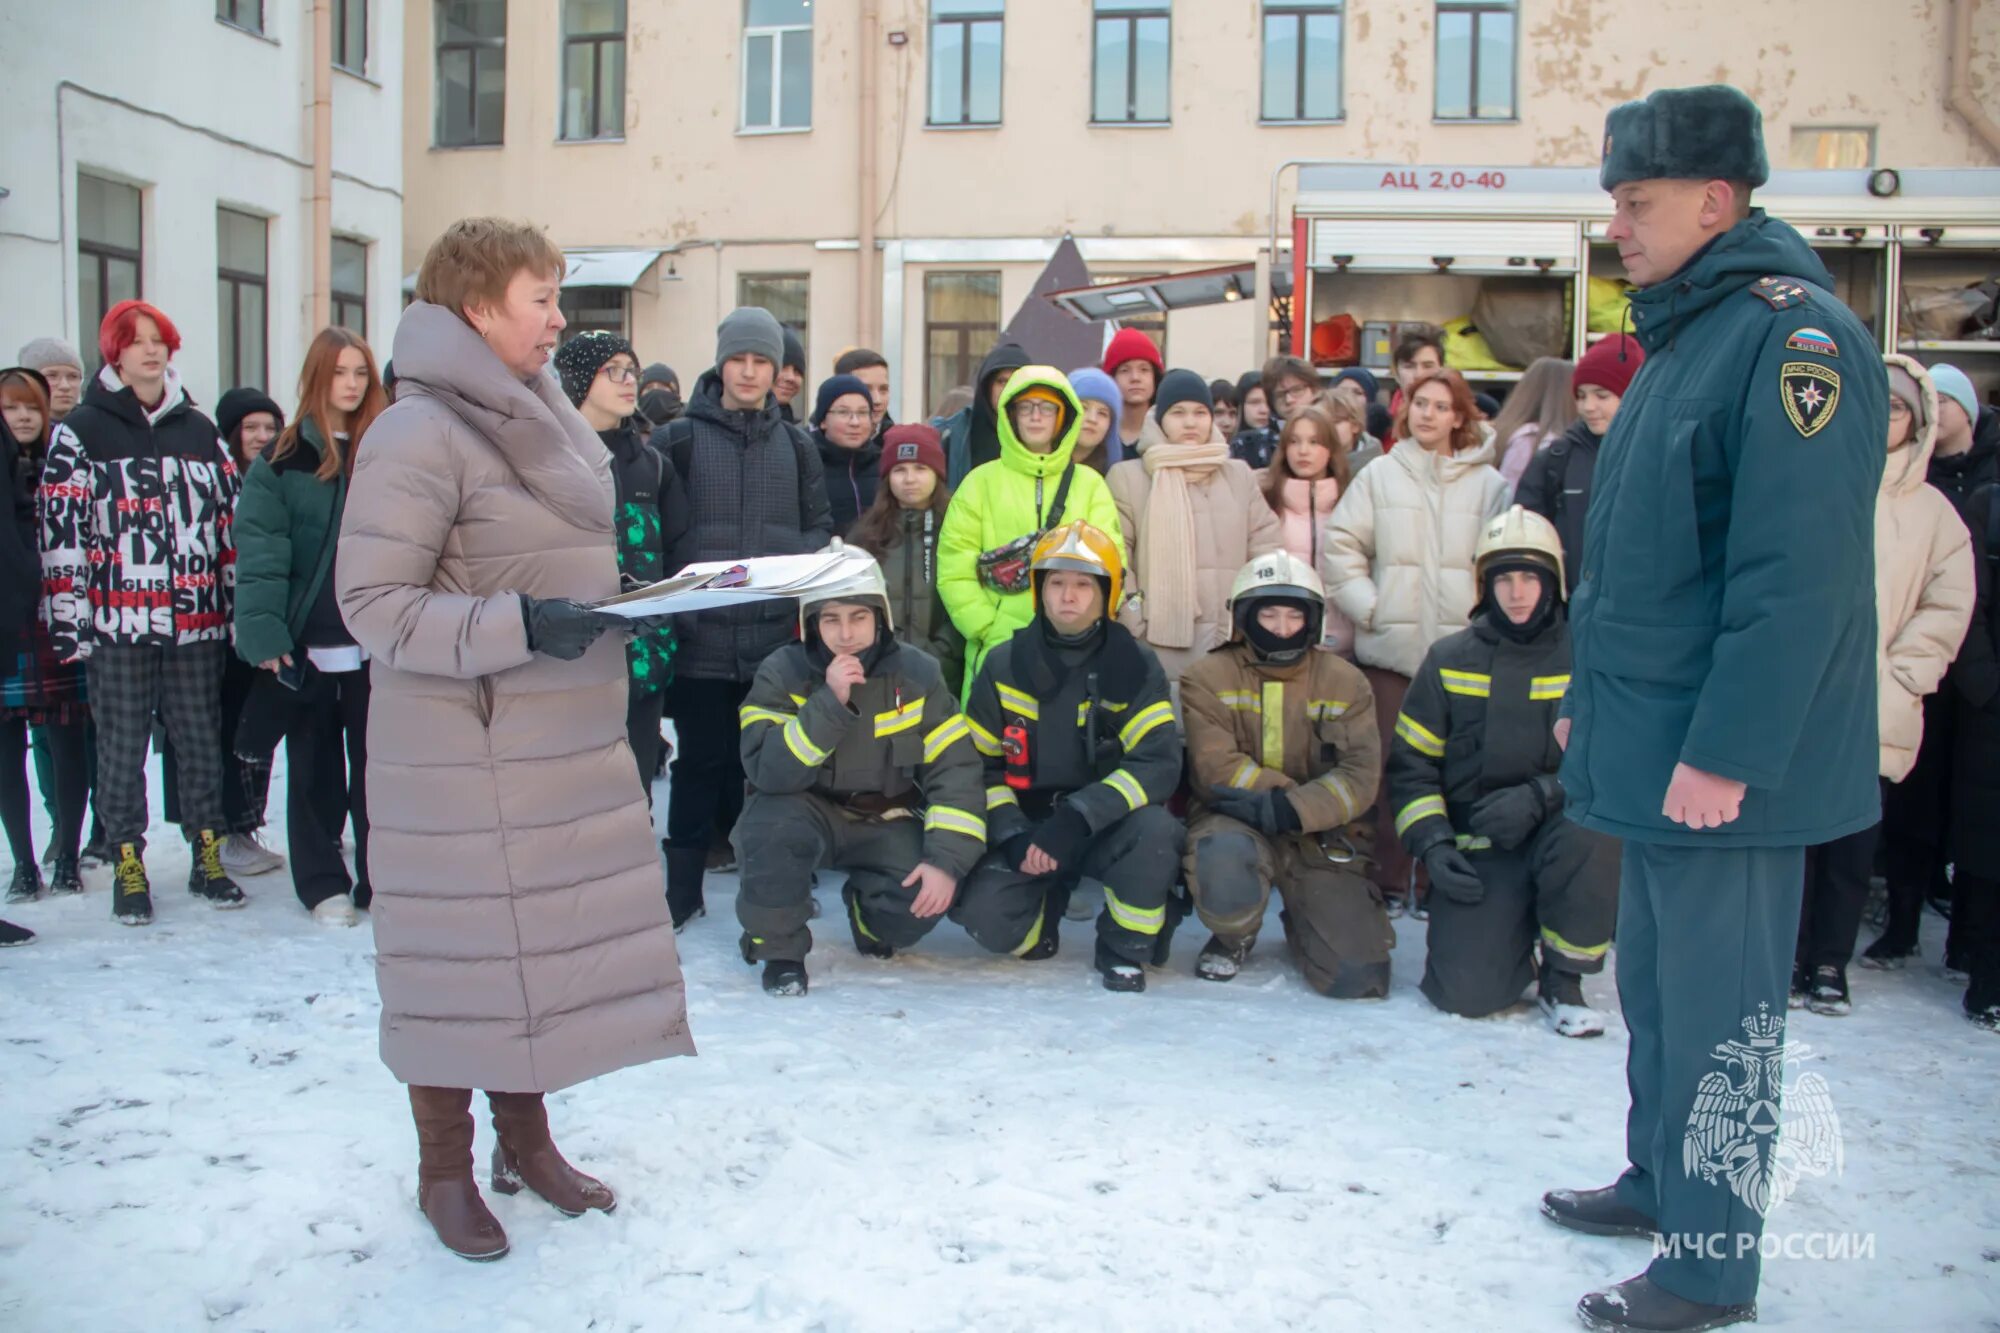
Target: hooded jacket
[[972, 434], [1002, 501], [135, 512], [1724, 614], [1923, 587], [1556, 485], [1398, 555], [287, 526]]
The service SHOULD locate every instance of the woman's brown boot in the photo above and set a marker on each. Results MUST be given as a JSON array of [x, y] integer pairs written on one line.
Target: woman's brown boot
[[445, 1191], [526, 1155]]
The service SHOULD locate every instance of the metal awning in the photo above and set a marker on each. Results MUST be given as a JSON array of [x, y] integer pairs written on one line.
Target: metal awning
[[1167, 291], [593, 268]]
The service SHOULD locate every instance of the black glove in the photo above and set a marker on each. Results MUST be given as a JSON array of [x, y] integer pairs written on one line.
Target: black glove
[[1453, 875], [561, 628], [1063, 835], [1510, 815], [1269, 812]]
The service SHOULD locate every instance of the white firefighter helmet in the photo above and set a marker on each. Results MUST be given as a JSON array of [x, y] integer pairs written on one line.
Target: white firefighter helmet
[[1278, 574], [1520, 534], [857, 578]]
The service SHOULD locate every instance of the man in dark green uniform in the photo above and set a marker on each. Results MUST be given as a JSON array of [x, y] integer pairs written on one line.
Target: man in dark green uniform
[[1721, 718]]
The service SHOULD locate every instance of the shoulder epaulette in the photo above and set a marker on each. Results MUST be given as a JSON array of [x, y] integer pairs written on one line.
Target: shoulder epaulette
[[1780, 293]]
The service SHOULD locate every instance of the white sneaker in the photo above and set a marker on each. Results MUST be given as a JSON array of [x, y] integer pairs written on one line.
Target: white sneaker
[[337, 911], [245, 854]]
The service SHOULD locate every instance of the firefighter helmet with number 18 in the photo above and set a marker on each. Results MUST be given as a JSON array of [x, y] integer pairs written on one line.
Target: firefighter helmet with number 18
[[1519, 536], [856, 578], [1081, 549], [1279, 575]]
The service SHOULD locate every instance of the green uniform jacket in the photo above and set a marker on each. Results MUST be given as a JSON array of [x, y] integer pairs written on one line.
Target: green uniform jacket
[[1003, 501], [1725, 612], [287, 523], [899, 733]]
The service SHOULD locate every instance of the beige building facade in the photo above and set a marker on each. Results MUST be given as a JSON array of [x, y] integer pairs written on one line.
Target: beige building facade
[[895, 173]]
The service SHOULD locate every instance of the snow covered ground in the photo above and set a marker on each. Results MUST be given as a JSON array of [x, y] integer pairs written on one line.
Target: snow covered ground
[[199, 1135]]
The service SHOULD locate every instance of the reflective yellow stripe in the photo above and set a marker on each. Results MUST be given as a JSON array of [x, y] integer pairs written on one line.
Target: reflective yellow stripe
[[1243, 701], [1113, 706], [953, 729], [1143, 722], [955, 821], [1472, 842], [1470, 683], [1245, 774], [1274, 725], [799, 699], [983, 740], [1083, 715], [1548, 687], [801, 745], [1127, 786], [1420, 738], [1144, 921], [1034, 937], [1015, 701], [749, 713], [1421, 808], [898, 720], [997, 796], [860, 925], [1563, 946], [1319, 710]]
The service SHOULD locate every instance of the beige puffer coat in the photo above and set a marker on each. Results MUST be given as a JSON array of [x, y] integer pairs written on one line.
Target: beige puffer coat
[[1233, 525], [522, 939], [1398, 556], [1923, 587]]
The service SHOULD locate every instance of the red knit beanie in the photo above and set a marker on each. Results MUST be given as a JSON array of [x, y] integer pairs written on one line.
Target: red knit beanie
[[1610, 364], [1133, 345], [120, 325], [913, 442]]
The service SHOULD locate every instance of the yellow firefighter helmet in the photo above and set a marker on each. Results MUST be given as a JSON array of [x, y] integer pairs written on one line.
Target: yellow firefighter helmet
[[1520, 535], [1081, 549], [857, 578]]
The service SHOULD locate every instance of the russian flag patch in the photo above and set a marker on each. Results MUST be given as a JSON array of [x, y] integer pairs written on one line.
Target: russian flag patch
[[1812, 340]]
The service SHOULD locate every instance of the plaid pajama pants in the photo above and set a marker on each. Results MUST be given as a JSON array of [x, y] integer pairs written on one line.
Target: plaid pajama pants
[[182, 683]]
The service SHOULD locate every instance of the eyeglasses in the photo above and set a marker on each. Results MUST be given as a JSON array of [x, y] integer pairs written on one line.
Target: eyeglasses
[[1898, 408], [850, 413], [1036, 407], [1293, 392], [619, 374]]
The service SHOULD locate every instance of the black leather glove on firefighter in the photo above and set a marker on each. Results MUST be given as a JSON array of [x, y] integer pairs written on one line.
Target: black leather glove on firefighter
[[561, 628], [1063, 836], [1269, 812], [1453, 875], [1509, 816]]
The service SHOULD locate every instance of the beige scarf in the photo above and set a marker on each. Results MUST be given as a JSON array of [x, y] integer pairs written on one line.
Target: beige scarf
[[1168, 536]]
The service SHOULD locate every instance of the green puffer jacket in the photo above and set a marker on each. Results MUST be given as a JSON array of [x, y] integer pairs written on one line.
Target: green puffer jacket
[[1005, 500], [287, 523]]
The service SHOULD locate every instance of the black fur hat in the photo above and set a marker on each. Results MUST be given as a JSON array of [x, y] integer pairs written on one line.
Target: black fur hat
[[1709, 133]]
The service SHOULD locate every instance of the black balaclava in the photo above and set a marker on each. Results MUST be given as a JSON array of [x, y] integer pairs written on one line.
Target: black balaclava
[[1546, 610], [1270, 647], [659, 406], [871, 657]]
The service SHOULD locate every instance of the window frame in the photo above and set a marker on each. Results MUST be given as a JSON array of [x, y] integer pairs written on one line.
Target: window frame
[[596, 41], [1819, 132], [1163, 10], [997, 16], [233, 18], [102, 254], [342, 9], [968, 352], [338, 300], [1476, 10], [776, 33], [1335, 9], [441, 47], [571, 300], [802, 327], [229, 335]]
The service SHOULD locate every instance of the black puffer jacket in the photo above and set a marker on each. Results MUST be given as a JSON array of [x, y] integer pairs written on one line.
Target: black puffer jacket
[[652, 523], [1961, 476], [1556, 485], [851, 477], [1975, 675]]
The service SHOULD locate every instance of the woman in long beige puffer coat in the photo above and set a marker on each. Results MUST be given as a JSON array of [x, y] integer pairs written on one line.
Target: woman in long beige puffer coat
[[522, 937], [1923, 602]]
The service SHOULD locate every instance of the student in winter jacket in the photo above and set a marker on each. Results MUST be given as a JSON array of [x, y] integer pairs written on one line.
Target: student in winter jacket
[[1357, 388], [972, 434], [1967, 456], [1975, 834], [872, 369], [1252, 407], [1399, 556], [1291, 385], [1538, 409], [1303, 484], [902, 530], [1555, 483], [1923, 601], [1228, 413], [1003, 506], [1097, 445], [599, 372], [1284, 758], [1133, 360], [1474, 795], [1191, 516], [858, 760], [791, 378], [1073, 720], [314, 690], [850, 456], [139, 564]]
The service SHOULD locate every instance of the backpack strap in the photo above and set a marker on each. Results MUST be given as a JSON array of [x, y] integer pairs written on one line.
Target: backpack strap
[[1062, 498]]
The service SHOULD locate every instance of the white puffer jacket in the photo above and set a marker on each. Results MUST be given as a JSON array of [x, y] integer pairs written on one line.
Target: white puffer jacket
[[1398, 554], [1923, 587]]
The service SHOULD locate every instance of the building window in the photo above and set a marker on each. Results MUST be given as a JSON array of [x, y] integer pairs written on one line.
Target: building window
[[1129, 73], [245, 14], [594, 310], [242, 291], [1152, 323], [788, 296], [965, 61], [1833, 149], [961, 324], [1475, 59], [109, 258], [777, 64], [471, 72], [350, 35], [350, 284], [593, 69], [1301, 60]]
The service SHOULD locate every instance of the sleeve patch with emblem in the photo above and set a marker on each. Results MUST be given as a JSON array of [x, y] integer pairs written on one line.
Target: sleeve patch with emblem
[[1815, 341], [1811, 393]]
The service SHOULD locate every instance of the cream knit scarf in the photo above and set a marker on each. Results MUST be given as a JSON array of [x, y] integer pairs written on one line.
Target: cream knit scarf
[[1168, 537]]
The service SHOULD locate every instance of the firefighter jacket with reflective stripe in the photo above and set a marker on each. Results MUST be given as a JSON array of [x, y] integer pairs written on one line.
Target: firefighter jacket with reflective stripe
[[1308, 727], [1480, 716], [899, 742], [1105, 747]]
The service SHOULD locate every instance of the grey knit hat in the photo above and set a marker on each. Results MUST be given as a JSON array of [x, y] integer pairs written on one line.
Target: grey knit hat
[[753, 330], [41, 353]]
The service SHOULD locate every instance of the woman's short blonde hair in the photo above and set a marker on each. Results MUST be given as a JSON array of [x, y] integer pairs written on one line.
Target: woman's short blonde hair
[[473, 260]]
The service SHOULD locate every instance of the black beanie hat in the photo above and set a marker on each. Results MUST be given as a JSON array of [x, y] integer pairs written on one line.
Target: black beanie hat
[[579, 360], [795, 353], [1180, 386], [833, 388], [232, 407], [659, 373]]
